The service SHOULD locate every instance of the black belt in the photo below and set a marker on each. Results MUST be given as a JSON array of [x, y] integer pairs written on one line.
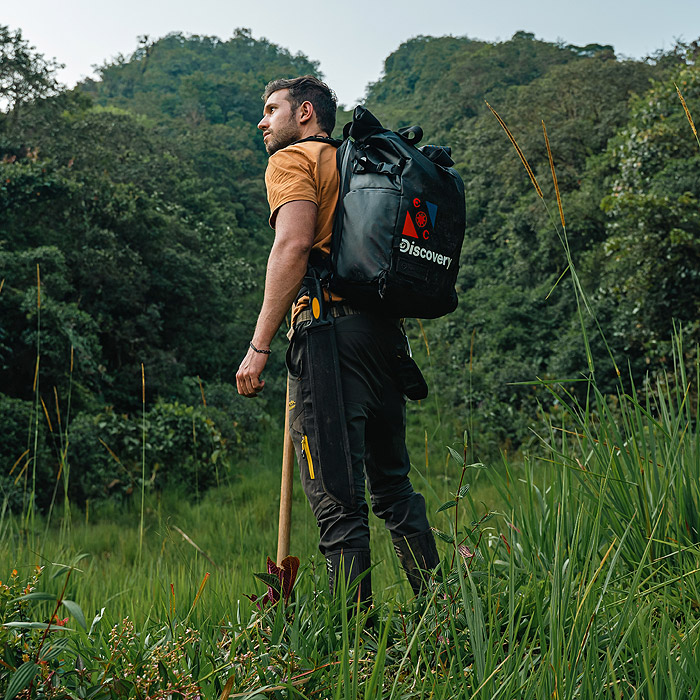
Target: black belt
[[337, 311]]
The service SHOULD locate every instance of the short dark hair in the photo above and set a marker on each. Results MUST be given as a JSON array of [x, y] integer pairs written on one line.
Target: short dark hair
[[307, 88]]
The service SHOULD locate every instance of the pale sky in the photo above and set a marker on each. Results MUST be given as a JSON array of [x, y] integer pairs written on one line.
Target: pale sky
[[349, 39]]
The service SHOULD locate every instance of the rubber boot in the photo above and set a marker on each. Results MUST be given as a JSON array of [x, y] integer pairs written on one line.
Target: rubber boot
[[352, 563], [417, 554]]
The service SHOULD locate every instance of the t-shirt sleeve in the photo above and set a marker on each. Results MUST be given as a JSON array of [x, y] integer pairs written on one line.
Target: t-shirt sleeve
[[290, 177]]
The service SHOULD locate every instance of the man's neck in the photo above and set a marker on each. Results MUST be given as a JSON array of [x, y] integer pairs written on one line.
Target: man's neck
[[312, 130]]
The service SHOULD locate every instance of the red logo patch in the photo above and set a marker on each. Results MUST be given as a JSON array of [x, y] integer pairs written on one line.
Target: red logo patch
[[408, 228]]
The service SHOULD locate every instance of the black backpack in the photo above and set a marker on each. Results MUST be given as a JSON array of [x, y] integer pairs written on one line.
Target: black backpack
[[399, 223]]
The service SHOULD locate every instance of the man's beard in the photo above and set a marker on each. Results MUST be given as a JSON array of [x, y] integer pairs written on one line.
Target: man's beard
[[282, 137]]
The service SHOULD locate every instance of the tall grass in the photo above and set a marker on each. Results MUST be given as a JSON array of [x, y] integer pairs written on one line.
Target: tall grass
[[33, 432], [571, 593], [228, 532], [586, 584], [143, 457], [64, 464]]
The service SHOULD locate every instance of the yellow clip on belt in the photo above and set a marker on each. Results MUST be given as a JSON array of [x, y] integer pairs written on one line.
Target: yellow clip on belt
[[336, 311]]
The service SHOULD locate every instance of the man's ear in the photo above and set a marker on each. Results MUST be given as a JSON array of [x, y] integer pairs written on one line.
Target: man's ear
[[305, 112]]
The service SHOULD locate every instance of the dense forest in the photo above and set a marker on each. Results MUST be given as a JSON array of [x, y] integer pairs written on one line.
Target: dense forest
[[133, 241]]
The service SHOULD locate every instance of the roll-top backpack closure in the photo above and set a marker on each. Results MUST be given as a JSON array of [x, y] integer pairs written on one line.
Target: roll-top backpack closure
[[399, 223]]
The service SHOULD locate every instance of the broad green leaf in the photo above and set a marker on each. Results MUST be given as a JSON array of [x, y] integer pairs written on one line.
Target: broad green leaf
[[76, 611], [26, 625], [98, 692], [55, 649], [21, 678], [444, 536], [36, 595], [456, 455], [446, 506], [269, 580], [35, 626]]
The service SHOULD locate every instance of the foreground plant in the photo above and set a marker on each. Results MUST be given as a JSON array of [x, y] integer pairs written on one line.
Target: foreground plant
[[279, 580], [46, 658]]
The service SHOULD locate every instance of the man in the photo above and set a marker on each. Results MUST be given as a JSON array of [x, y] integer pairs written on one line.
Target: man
[[302, 189]]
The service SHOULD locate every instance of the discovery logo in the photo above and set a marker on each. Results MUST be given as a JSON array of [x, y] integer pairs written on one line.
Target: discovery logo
[[419, 252]]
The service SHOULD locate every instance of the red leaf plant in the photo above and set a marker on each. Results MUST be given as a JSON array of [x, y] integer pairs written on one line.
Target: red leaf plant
[[286, 573]]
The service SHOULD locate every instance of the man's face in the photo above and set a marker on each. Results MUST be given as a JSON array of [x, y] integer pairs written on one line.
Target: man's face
[[279, 124]]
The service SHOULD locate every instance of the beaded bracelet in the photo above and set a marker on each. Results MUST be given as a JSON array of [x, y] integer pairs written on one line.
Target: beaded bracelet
[[262, 352]]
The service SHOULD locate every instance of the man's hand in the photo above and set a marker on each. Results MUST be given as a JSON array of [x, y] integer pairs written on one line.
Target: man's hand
[[248, 376]]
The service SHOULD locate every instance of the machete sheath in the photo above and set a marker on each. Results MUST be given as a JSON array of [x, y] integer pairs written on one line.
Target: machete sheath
[[331, 438]]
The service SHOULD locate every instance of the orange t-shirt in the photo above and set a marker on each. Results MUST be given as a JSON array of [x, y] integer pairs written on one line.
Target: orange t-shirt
[[305, 172]]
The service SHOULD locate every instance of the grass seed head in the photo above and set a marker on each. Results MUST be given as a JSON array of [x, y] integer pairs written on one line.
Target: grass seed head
[[519, 151], [687, 111], [554, 176]]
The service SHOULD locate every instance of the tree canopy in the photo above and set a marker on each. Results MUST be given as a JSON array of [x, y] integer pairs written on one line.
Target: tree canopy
[[25, 75], [134, 228]]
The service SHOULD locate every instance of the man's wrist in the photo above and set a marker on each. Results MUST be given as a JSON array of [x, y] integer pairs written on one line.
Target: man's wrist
[[260, 350]]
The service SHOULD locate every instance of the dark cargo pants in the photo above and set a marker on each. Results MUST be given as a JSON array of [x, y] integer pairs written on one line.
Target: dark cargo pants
[[375, 416]]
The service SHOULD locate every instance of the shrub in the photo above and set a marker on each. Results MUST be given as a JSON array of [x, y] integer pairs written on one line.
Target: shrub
[[183, 447], [18, 456]]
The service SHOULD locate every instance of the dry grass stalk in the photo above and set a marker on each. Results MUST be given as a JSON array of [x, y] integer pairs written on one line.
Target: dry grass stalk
[[58, 408], [36, 373], [425, 337], [111, 452], [201, 585], [687, 111], [528, 169], [554, 175], [425, 433], [189, 540], [201, 389], [21, 473], [19, 459], [46, 413]]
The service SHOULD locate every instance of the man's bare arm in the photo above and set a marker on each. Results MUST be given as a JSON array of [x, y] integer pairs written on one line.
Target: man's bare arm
[[286, 266]]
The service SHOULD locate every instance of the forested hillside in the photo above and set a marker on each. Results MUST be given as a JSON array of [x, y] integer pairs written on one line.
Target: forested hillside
[[139, 200], [628, 168], [133, 240]]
